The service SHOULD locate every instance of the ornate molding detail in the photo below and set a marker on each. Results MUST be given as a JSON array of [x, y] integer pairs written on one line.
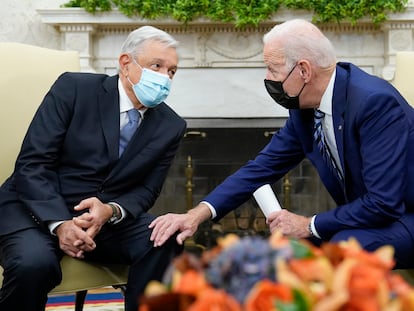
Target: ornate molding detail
[[400, 40], [219, 46], [236, 46], [77, 28]]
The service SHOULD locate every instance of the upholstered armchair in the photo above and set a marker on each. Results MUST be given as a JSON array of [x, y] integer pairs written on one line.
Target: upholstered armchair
[[403, 77], [27, 74]]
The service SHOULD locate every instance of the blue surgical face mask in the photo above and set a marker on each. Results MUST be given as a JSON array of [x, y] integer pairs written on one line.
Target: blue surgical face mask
[[152, 88]]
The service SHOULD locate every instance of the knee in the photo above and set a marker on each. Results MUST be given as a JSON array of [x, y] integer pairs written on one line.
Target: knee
[[342, 236], [366, 239], [34, 268], [172, 246]]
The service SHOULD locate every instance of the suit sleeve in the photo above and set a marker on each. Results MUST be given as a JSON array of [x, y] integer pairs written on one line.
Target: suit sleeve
[[283, 152], [36, 179]]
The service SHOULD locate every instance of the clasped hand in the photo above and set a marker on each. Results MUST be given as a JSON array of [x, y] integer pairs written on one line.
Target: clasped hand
[[76, 236]]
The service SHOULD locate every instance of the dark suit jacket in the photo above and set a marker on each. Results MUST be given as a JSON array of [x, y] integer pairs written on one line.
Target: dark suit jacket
[[374, 130], [70, 153]]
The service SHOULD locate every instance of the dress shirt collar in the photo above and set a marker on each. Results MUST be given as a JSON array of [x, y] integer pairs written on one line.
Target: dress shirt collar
[[326, 101], [125, 103]]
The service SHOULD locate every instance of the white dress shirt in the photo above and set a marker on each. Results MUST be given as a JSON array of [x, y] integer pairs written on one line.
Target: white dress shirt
[[327, 122]]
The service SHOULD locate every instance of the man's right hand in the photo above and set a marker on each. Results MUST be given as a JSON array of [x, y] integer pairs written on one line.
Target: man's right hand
[[163, 227], [73, 240]]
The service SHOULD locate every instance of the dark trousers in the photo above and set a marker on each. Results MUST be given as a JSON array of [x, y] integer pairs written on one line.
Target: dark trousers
[[30, 259]]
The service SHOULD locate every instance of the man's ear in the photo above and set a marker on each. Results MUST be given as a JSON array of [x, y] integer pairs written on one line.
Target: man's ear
[[124, 61], [305, 70]]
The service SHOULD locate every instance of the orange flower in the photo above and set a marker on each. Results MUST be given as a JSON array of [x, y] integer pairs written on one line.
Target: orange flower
[[191, 282], [215, 300], [399, 285], [382, 257], [313, 269], [404, 291], [264, 295], [366, 288], [174, 301]]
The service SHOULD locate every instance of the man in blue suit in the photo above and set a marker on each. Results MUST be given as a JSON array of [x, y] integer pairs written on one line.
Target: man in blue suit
[[365, 161], [79, 187]]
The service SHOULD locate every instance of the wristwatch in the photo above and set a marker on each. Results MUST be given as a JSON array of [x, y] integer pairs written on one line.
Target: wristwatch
[[310, 229], [115, 214]]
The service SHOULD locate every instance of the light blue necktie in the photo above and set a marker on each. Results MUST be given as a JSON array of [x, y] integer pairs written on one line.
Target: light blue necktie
[[129, 129], [319, 138]]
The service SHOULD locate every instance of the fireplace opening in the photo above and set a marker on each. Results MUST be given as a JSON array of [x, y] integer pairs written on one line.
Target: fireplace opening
[[207, 156]]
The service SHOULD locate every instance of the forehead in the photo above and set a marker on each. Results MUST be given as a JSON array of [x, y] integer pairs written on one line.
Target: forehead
[[273, 53], [158, 50]]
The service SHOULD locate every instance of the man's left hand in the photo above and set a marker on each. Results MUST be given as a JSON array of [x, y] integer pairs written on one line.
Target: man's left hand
[[289, 224]]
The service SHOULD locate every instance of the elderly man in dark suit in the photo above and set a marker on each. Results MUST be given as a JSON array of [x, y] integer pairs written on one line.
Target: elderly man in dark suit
[[355, 128], [83, 184]]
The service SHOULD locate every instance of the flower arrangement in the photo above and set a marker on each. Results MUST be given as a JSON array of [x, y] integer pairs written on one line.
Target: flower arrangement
[[281, 274]]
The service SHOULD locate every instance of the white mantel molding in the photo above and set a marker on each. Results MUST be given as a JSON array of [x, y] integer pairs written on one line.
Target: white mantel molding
[[221, 67], [79, 27]]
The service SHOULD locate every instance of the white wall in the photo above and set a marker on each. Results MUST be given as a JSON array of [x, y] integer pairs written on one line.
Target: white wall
[[20, 22], [221, 69]]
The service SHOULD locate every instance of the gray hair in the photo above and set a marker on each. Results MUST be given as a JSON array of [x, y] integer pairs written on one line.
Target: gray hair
[[136, 40], [302, 40]]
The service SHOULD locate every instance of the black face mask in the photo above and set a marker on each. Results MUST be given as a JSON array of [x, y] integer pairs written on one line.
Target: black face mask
[[276, 91]]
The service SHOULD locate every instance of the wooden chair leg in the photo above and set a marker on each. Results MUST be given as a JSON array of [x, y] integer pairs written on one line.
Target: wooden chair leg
[[80, 300]]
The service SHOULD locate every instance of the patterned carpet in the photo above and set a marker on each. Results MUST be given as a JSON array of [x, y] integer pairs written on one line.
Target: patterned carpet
[[107, 299]]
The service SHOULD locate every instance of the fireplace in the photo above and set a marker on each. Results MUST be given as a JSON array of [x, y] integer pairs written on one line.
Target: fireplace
[[207, 155]]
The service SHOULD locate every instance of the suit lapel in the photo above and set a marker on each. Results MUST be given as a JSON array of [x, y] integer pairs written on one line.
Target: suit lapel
[[339, 97], [109, 108]]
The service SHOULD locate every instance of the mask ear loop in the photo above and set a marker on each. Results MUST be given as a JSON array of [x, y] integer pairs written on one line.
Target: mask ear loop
[[142, 70], [291, 70], [133, 59]]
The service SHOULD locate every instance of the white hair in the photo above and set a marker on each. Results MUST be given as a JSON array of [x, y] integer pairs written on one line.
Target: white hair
[[136, 40], [302, 40]]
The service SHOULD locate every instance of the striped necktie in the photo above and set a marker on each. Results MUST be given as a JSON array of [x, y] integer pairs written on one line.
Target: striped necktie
[[129, 129], [319, 138]]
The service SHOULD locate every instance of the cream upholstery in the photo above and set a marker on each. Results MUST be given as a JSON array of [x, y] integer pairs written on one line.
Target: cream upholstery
[[27, 74], [403, 77]]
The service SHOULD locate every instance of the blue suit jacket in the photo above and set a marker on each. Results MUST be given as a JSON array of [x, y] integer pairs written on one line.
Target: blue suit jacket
[[374, 130], [70, 153]]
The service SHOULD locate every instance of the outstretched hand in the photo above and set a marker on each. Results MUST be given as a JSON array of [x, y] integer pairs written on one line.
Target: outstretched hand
[[186, 224]]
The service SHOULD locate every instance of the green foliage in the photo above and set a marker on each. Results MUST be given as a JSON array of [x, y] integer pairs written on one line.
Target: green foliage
[[246, 12], [299, 303]]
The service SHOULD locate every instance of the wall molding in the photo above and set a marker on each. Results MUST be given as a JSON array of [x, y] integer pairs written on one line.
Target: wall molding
[[207, 45]]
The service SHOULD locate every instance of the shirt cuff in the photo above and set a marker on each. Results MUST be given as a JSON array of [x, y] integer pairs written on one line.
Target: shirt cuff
[[212, 210], [53, 225], [313, 228]]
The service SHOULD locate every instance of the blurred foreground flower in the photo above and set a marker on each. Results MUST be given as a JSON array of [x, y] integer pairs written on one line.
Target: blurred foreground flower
[[281, 274]]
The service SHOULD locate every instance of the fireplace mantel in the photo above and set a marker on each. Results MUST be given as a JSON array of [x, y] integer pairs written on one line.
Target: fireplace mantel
[[221, 69]]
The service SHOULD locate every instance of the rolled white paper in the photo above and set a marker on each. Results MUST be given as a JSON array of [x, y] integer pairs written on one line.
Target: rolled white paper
[[266, 199]]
